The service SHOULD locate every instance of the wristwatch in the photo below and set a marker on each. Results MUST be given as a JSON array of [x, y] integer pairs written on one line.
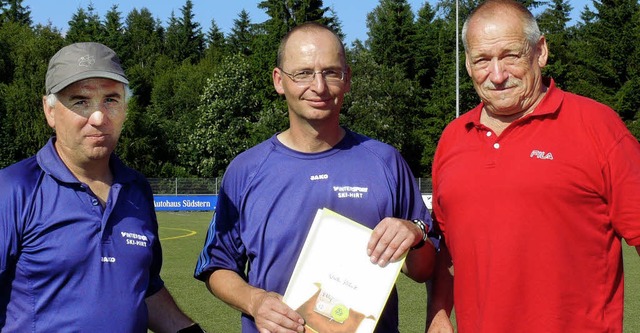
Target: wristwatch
[[423, 227]]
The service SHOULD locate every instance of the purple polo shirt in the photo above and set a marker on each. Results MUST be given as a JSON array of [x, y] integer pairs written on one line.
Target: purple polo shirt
[[67, 263]]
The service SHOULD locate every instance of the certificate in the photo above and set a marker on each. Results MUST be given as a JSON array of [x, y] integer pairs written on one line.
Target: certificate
[[334, 285]]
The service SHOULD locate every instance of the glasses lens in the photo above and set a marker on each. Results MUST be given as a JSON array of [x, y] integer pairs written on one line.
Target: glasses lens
[[332, 75], [329, 75], [303, 76]]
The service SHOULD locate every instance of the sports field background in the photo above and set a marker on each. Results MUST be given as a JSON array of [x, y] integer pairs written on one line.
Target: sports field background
[[182, 235]]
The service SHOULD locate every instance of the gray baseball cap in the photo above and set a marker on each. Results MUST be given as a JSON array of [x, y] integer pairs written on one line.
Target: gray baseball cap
[[81, 61]]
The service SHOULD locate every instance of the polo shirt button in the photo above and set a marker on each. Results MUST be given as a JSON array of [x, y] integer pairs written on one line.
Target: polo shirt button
[[488, 133], [94, 202], [496, 145]]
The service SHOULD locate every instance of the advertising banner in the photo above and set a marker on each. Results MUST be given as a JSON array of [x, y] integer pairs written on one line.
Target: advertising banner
[[185, 202]]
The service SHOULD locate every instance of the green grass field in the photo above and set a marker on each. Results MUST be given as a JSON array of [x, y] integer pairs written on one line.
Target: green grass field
[[183, 234]]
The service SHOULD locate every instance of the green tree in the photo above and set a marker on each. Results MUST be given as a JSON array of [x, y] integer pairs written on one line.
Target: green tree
[[228, 110], [173, 39], [85, 26], [23, 128], [440, 103], [427, 46], [143, 44], [284, 15], [14, 11], [241, 34], [174, 105], [383, 104], [553, 25], [392, 35], [606, 49], [184, 37], [113, 30], [216, 44]]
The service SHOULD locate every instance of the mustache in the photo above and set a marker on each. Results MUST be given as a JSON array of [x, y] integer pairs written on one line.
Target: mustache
[[504, 85]]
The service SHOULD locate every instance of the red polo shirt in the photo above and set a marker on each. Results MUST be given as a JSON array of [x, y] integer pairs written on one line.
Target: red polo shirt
[[533, 218]]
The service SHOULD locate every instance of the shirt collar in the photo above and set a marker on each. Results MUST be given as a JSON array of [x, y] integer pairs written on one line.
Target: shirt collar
[[550, 104], [51, 163]]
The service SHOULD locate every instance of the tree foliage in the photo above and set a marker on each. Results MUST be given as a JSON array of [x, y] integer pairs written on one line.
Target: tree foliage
[[13, 11], [228, 110], [85, 26], [199, 98]]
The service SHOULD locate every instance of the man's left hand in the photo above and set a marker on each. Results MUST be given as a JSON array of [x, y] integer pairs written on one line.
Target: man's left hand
[[392, 238]]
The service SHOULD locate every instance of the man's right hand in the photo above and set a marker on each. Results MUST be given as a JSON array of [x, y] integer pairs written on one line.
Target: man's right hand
[[269, 312], [272, 315]]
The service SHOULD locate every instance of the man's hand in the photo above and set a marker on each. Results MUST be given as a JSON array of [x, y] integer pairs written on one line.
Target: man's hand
[[392, 238], [440, 323], [271, 315]]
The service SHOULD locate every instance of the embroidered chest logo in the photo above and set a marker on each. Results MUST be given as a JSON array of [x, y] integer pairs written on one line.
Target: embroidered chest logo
[[135, 239], [323, 176], [353, 192], [541, 155]]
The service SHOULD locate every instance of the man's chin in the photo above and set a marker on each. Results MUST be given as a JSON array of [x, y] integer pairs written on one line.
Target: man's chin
[[99, 152]]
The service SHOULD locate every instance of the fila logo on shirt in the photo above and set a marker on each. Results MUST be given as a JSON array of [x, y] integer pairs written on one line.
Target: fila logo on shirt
[[541, 155]]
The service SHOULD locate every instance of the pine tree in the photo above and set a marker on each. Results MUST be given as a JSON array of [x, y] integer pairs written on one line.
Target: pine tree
[[553, 25], [606, 48], [392, 35], [184, 38], [14, 11], [216, 44], [113, 30], [143, 43], [241, 34], [85, 26]]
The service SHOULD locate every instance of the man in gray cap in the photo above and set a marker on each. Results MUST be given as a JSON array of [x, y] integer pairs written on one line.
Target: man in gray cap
[[79, 245]]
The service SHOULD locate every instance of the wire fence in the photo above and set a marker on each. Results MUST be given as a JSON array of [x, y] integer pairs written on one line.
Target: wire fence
[[181, 186]]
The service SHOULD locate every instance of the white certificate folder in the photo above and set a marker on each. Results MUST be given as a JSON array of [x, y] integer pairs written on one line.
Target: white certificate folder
[[334, 285]]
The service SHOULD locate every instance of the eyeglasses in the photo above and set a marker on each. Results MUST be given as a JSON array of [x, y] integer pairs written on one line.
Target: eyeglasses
[[307, 76]]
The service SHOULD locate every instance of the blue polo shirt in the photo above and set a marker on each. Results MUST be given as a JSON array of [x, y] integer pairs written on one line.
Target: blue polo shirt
[[67, 263], [270, 195]]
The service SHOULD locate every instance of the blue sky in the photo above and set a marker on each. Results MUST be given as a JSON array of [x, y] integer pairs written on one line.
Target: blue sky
[[352, 13]]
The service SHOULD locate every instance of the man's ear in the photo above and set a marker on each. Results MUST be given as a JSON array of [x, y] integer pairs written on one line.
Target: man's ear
[[48, 112], [543, 52], [276, 75], [347, 80]]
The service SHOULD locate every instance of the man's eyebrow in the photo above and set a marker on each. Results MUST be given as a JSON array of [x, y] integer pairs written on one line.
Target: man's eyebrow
[[80, 96], [115, 94], [77, 97]]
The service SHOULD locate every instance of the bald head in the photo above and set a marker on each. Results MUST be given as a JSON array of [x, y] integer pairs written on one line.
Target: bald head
[[498, 10], [308, 27]]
